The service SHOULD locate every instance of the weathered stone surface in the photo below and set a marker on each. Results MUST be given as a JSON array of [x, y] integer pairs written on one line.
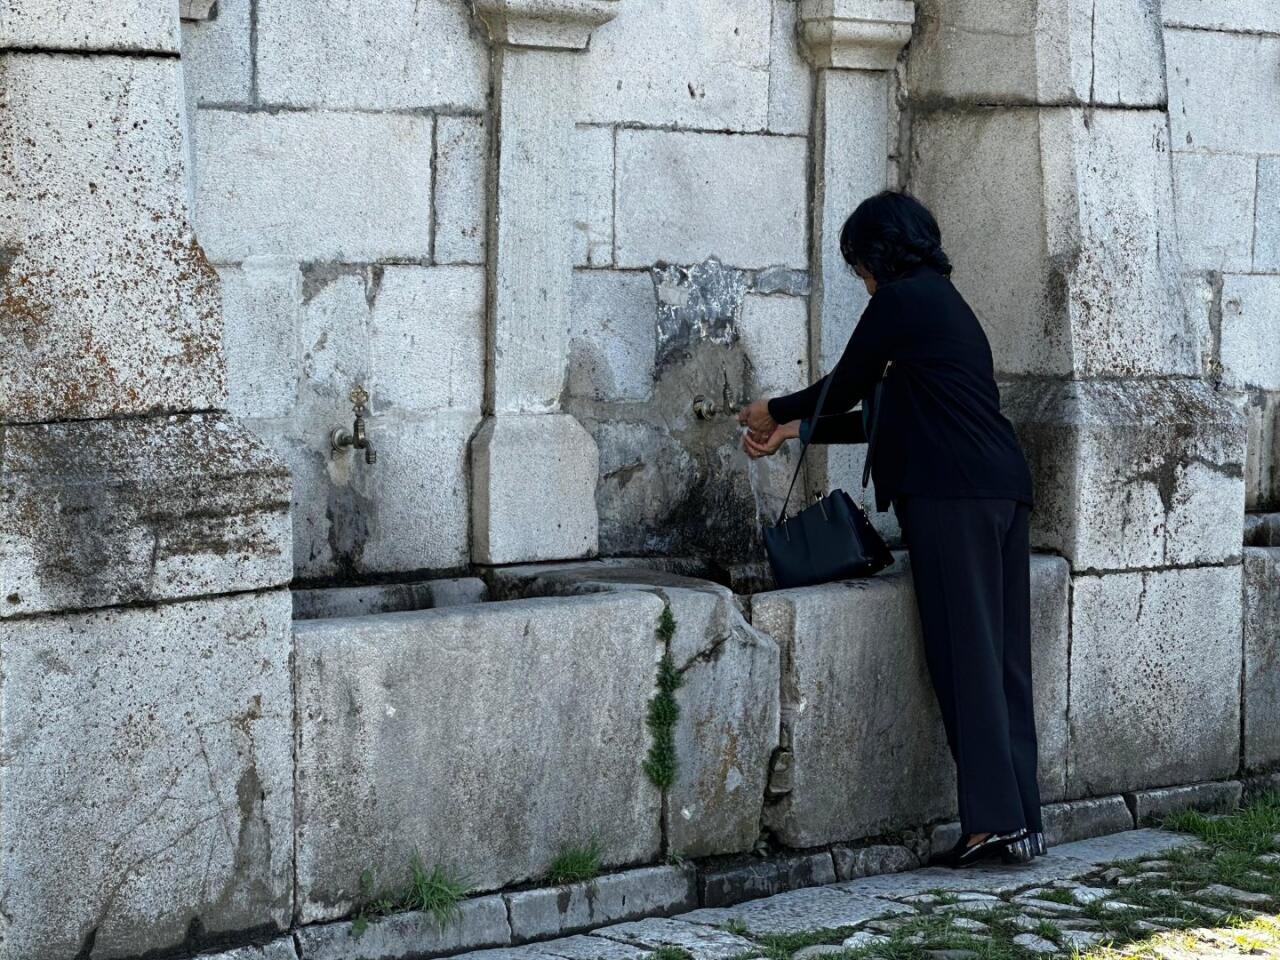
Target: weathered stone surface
[[477, 800], [515, 460], [482, 922], [460, 200], [95, 235], [217, 61], [1262, 463], [1266, 240], [855, 34], [1250, 331], [132, 26], [733, 884], [588, 948], [848, 783], [387, 598], [1148, 805], [1214, 195], [790, 77], [261, 304], [311, 55], [1131, 474], [550, 24], [1239, 15], [557, 911], [343, 186], [126, 511], [173, 812], [775, 334], [613, 337], [1051, 51], [282, 949], [1069, 214], [706, 176], [1082, 819], [1155, 678], [591, 196], [1208, 69], [426, 339], [714, 74], [871, 861], [818, 908], [1261, 657], [702, 942]]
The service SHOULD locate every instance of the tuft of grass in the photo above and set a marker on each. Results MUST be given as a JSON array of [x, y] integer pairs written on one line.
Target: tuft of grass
[[780, 946], [575, 864], [662, 764], [734, 926], [431, 890], [1056, 895], [1252, 829], [671, 953]]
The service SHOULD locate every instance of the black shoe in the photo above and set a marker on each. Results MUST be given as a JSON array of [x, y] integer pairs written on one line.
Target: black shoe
[[996, 845], [1038, 845]]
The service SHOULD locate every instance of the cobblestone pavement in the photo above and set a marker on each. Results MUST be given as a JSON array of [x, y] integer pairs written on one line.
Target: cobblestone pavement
[[1132, 894]]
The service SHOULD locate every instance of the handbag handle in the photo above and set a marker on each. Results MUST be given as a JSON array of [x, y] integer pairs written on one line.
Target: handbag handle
[[817, 414]]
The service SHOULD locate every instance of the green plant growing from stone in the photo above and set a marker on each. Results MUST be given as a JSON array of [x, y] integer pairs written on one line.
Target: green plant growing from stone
[[575, 864], [432, 890], [662, 765], [671, 953]]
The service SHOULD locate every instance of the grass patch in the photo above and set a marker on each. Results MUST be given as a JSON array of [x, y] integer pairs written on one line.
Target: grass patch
[[662, 764], [1252, 829], [1055, 895], [735, 926], [780, 946], [1260, 937], [432, 890], [575, 864], [672, 953]]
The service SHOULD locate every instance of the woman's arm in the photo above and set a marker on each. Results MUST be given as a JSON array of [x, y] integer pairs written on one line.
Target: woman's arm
[[840, 428]]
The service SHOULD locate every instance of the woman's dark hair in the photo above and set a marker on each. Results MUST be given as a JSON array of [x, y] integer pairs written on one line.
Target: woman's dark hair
[[891, 234]]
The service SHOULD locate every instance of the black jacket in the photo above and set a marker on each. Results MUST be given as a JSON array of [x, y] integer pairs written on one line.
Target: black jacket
[[940, 432]]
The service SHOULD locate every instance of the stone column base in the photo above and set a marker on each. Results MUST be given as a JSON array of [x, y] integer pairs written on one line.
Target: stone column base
[[533, 489]]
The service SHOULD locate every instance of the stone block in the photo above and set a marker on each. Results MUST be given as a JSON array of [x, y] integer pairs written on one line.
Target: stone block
[[326, 603], [217, 62], [261, 308], [1266, 240], [711, 73], [97, 512], [1051, 51], [1243, 16], [871, 861], [790, 77], [1132, 474], [1050, 646], [481, 922], [426, 339], [588, 948], [798, 911], [173, 813], [95, 234], [1261, 658], [1261, 411], [1071, 214], [282, 949], [466, 787], [591, 196], [324, 56], [461, 193], [728, 885], [334, 339], [533, 488], [127, 26], [343, 186], [1214, 196], [1155, 678], [775, 335], [700, 942], [613, 898], [708, 177], [1208, 69], [1152, 805], [1082, 819], [613, 337], [1250, 331]]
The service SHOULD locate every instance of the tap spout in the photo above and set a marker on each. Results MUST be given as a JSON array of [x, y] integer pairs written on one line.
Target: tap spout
[[357, 438]]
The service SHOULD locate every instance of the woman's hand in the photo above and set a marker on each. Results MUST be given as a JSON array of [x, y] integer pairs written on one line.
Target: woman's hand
[[768, 447], [756, 418]]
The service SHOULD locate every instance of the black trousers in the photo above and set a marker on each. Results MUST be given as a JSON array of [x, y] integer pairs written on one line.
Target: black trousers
[[971, 563]]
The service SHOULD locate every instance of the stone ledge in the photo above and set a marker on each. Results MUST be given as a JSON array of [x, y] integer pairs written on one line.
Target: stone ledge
[[1148, 805], [482, 922], [725, 886], [559, 24], [855, 34], [613, 898], [103, 512]]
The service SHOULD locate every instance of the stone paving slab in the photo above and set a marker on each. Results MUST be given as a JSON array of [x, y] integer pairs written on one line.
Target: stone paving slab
[[817, 908], [702, 942], [588, 948]]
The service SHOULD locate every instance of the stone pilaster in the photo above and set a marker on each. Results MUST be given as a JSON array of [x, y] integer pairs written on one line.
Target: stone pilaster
[[144, 534], [534, 467], [853, 46], [1040, 138]]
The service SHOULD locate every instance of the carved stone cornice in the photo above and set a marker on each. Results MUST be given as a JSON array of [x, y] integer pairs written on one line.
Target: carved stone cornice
[[855, 34], [558, 24]]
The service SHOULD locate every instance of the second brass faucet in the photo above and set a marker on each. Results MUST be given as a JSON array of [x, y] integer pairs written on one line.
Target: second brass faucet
[[357, 437]]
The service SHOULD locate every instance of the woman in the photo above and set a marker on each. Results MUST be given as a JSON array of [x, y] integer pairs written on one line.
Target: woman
[[950, 464]]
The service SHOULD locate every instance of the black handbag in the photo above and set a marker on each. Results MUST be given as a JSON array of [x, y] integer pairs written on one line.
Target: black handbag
[[832, 539]]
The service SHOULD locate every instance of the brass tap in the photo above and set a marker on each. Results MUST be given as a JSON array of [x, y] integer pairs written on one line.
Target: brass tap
[[356, 438]]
